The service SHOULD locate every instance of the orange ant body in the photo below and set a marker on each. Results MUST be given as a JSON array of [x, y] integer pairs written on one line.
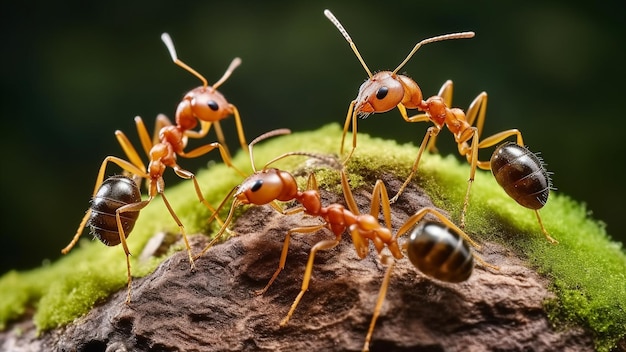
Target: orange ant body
[[452, 261], [386, 90], [168, 142], [442, 253]]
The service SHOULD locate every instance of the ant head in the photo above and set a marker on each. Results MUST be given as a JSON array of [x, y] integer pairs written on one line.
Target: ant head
[[382, 92], [266, 186], [203, 103]]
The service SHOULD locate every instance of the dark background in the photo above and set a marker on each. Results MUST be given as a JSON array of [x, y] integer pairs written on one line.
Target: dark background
[[72, 73]]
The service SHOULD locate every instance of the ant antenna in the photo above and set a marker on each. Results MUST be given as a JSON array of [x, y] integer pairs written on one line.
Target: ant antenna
[[266, 135], [233, 65], [460, 35], [326, 159], [345, 34], [170, 46]]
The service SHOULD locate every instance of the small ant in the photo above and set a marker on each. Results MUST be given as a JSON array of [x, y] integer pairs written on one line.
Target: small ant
[[168, 142], [386, 90]]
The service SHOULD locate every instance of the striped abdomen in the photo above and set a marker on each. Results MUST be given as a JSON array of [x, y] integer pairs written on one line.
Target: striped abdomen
[[440, 253], [521, 174], [114, 192]]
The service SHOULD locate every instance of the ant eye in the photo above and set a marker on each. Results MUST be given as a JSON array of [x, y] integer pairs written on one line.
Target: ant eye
[[382, 93], [213, 105], [255, 187]]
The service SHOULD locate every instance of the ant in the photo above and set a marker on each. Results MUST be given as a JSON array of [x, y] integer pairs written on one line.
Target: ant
[[439, 250], [168, 142], [266, 186], [386, 89]]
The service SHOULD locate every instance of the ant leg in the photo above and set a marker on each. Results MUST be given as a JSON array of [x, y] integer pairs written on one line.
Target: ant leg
[[180, 226], [347, 193], [209, 147], [322, 245], [350, 118], [379, 303], [239, 125], [224, 227], [471, 154], [190, 175], [220, 138], [477, 111], [130, 151], [432, 131], [205, 127], [543, 229], [500, 136], [283, 254], [79, 232], [415, 218], [147, 143], [127, 208]]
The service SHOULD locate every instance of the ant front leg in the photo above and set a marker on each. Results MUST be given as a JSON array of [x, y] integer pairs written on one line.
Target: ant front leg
[[351, 118], [431, 132]]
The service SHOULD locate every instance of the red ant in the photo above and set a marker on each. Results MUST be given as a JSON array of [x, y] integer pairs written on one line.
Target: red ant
[[386, 89], [265, 186], [453, 262], [439, 250], [169, 142]]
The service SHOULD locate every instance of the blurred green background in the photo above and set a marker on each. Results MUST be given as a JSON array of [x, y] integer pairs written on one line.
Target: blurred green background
[[72, 73]]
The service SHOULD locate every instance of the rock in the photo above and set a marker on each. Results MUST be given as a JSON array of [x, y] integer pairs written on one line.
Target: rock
[[215, 308]]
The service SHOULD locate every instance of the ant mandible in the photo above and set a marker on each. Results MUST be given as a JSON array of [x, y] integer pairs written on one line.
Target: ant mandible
[[386, 90], [168, 142]]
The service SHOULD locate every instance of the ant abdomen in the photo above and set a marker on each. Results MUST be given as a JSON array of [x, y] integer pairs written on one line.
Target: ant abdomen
[[522, 175], [114, 192], [439, 252]]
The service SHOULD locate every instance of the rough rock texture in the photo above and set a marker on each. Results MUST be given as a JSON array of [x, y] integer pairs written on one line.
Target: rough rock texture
[[215, 308]]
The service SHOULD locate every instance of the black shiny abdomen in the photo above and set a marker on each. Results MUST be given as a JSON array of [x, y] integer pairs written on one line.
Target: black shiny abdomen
[[440, 253], [521, 174], [114, 192]]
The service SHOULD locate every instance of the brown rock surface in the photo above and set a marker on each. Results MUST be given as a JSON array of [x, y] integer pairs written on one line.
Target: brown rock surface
[[215, 308]]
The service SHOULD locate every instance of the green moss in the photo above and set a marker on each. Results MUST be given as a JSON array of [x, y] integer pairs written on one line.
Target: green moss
[[586, 269]]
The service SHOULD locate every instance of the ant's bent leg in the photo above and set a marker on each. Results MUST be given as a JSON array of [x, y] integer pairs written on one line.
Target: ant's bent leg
[[283, 253], [323, 245]]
